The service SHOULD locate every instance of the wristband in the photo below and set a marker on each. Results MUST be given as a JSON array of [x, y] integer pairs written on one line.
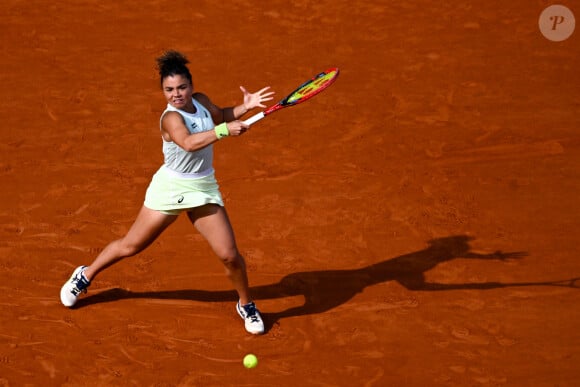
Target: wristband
[[221, 131]]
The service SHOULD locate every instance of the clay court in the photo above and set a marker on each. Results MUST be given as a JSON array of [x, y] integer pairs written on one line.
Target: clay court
[[416, 224]]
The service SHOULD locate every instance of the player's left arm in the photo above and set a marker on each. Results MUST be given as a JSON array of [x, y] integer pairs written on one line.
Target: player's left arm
[[228, 114]]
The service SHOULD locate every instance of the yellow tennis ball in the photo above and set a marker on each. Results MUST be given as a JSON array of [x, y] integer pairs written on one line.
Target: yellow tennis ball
[[250, 361]]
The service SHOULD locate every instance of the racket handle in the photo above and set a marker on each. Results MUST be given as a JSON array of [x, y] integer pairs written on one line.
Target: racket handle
[[254, 118]]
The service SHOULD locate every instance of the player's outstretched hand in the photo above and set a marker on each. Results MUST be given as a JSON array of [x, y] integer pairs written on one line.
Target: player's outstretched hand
[[257, 99]]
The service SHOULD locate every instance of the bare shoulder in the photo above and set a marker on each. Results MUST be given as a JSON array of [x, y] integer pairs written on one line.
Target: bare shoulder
[[170, 119], [206, 102], [203, 99]]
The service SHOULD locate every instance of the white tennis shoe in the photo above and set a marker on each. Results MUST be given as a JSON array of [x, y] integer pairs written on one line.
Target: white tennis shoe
[[72, 288], [251, 316]]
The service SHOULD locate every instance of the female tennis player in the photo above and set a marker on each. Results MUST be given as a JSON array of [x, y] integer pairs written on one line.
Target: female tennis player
[[185, 182]]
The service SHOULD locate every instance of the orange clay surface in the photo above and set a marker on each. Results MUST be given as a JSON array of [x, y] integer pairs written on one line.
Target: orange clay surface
[[416, 224]]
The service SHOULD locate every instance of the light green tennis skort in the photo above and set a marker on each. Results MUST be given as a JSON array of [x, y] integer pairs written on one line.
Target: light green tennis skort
[[172, 192]]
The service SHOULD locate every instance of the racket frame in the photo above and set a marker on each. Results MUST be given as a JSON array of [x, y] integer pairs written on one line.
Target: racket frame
[[288, 101]]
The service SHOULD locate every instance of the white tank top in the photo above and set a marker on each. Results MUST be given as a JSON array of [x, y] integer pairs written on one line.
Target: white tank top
[[179, 160]]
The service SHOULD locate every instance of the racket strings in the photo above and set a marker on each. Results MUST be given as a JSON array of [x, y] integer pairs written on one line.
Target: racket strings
[[313, 87]]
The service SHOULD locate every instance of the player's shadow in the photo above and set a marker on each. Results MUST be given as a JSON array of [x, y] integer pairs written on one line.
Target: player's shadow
[[326, 289]]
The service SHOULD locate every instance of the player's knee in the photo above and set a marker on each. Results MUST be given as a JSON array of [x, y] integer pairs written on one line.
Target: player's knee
[[230, 257], [128, 249]]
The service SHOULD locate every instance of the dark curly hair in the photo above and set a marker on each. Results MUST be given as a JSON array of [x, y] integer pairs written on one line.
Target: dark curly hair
[[173, 63]]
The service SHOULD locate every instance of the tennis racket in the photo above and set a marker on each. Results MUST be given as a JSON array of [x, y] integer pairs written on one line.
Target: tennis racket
[[303, 93]]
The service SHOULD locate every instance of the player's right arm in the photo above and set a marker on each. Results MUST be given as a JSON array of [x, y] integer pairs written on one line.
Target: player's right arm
[[173, 129]]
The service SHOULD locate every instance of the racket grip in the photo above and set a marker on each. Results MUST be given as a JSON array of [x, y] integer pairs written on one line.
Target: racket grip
[[254, 118]]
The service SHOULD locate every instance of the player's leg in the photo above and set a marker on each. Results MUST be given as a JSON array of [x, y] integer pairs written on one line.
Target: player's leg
[[213, 223], [148, 225]]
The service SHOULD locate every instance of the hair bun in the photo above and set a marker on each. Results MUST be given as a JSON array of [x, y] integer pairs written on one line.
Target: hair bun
[[173, 63]]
